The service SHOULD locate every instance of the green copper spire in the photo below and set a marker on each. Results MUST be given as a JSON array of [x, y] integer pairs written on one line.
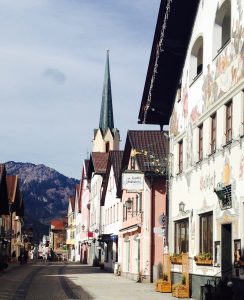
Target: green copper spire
[[106, 113]]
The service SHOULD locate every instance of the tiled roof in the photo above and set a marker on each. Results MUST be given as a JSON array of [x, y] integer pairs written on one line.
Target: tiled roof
[[57, 224], [99, 160], [12, 187], [154, 143], [114, 160]]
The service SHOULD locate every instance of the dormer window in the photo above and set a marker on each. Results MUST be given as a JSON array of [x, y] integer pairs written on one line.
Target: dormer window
[[222, 27], [196, 60]]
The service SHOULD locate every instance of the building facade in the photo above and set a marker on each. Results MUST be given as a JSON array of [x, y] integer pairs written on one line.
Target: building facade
[[204, 104]]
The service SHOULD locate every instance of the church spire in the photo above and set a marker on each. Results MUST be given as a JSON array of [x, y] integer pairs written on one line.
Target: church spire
[[106, 114]]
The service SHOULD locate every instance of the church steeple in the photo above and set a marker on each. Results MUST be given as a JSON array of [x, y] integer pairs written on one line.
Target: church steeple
[[106, 137], [106, 114]]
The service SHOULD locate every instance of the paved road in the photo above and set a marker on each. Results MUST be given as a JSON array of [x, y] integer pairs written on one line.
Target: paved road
[[51, 281]]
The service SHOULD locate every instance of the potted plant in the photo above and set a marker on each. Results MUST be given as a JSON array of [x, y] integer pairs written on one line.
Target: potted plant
[[204, 258], [165, 277], [183, 280], [176, 258]]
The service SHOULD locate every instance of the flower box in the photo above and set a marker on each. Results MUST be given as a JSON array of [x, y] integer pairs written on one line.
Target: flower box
[[203, 260], [176, 259]]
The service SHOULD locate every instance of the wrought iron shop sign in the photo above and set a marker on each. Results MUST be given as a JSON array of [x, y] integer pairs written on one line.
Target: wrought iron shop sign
[[132, 182]]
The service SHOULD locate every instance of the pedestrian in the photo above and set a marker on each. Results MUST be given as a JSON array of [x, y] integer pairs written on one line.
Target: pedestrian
[[14, 256]]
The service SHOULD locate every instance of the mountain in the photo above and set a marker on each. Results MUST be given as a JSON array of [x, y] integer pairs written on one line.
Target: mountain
[[46, 193]]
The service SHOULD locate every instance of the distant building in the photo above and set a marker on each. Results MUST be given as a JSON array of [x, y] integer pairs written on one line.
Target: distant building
[[57, 235]]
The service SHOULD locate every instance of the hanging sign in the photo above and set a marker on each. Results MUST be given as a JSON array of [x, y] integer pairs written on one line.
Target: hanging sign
[[132, 182]]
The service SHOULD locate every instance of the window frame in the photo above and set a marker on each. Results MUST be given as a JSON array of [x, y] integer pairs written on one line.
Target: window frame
[[178, 226], [206, 235], [200, 142], [229, 121], [180, 156], [213, 132]]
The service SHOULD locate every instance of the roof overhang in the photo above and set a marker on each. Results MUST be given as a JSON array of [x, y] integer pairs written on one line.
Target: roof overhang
[[169, 49]]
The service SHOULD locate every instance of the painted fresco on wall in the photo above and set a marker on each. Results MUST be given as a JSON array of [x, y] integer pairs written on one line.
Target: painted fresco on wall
[[241, 173], [228, 68], [223, 74]]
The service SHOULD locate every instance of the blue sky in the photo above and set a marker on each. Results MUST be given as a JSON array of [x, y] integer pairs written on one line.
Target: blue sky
[[52, 58]]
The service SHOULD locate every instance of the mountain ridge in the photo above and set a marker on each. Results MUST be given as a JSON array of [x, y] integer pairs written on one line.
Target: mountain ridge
[[46, 194]]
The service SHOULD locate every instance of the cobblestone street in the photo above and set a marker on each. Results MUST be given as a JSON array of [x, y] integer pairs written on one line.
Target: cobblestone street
[[44, 280]]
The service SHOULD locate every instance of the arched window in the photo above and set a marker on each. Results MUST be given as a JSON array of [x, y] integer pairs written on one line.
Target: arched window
[[222, 27], [196, 60]]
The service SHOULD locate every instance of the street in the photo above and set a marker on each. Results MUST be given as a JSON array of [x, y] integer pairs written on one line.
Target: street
[[58, 280]]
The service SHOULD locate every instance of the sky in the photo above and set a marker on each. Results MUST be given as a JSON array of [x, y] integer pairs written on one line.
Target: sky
[[52, 64]]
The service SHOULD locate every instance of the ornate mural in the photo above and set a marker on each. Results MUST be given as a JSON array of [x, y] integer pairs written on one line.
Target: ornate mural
[[223, 74]]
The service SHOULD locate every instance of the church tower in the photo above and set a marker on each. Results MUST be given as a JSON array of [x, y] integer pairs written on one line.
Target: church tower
[[106, 137]]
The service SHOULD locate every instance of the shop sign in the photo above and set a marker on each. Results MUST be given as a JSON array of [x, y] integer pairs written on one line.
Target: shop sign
[[132, 182]]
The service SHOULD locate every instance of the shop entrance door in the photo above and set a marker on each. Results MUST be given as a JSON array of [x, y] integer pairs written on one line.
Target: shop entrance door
[[226, 249]]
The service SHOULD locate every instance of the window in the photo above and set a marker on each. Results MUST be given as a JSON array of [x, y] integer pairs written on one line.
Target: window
[[196, 59], [180, 156], [114, 213], [124, 212], [200, 142], [206, 233], [107, 147], [228, 122], [213, 133], [181, 236], [117, 214], [138, 203], [132, 163], [222, 27]]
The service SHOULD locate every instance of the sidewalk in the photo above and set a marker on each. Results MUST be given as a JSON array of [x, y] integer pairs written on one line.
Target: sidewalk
[[106, 286]]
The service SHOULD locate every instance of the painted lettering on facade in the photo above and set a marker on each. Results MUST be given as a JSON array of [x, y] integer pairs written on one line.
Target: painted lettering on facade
[[207, 182]]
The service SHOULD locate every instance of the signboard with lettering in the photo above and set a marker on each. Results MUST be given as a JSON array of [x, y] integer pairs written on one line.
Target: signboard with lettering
[[132, 182]]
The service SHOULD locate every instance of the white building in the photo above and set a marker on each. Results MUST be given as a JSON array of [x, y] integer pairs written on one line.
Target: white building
[[206, 134], [111, 211]]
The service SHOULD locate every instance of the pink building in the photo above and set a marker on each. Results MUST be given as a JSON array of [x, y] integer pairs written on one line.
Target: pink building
[[142, 237]]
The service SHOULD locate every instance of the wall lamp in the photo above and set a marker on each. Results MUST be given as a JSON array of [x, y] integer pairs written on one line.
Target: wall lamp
[[128, 203], [183, 211]]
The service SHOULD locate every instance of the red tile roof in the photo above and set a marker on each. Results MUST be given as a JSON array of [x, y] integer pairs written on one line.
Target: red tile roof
[[57, 224], [12, 181], [153, 142], [99, 160]]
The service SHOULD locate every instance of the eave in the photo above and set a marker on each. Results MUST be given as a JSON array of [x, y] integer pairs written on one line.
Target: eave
[[171, 39]]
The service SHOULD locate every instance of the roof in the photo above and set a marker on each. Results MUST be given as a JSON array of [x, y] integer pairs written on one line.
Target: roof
[[12, 181], [171, 39], [98, 163], [106, 114], [57, 224], [114, 160], [152, 145], [4, 208]]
